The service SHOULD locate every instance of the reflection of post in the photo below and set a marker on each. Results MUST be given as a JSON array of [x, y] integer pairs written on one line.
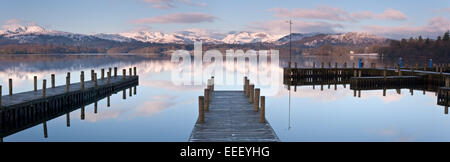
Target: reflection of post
[[82, 113], [201, 115], [45, 129], [359, 93], [124, 94], [411, 91], [321, 86], [399, 91], [134, 92], [446, 110], [354, 93], [95, 108], [384, 91], [108, 101], [68, 119], [130, 91]]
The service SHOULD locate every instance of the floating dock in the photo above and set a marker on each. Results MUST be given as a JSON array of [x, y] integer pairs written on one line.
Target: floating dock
[[232, 116]]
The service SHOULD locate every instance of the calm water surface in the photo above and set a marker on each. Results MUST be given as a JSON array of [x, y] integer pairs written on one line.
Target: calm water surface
[[164, 111]]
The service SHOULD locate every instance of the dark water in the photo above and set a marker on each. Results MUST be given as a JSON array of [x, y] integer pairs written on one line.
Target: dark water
[[165, 111]]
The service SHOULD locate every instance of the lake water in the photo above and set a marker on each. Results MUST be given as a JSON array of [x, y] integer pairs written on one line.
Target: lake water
[[165, 111]]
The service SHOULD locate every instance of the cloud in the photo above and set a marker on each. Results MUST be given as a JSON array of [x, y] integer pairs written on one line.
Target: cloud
[[282, 27], [443, 10], [155, 105], [177, 18], [336, 14], [167, 4], [436, 26]]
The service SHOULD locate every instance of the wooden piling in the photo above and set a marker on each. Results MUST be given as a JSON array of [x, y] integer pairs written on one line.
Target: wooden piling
[[103, 74], [135, 71], [247, 90], [0, 96], [257, 94], [245, 84], [206, 99], [44, 86], [108, 77], [53, 80], [124, 73], [95, 79], [109, 70], [92, 74], [35, 83], [201, 113], [262, 115], [447, 82], [10, 87], [67, 83], [115, 71], [252, 93], [82, 80]]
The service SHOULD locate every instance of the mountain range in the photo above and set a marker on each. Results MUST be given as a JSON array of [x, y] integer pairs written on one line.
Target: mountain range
[[37, 34]]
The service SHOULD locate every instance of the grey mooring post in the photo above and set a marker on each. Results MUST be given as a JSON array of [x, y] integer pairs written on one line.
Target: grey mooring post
[[67, 83], [115, 71], [44, 86], [201, 113], [82, 80], [124, 73], [53, 80], [103, 74], [262, 115], [257, 94], [35, 83], [252, 93], [245, 84], [10, 87]]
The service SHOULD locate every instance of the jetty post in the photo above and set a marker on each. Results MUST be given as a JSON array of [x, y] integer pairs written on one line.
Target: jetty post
[[103, 73], [206, 100], [257, 94], [262, 115], [115, 71], [35, 83], [124, 73], [44, 86], [10, 87], [252, 92], [53, 80], [201, 112], [82, 80], [0, 96]]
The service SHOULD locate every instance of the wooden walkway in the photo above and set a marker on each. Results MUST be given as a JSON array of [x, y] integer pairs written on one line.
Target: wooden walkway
[[231, 118]]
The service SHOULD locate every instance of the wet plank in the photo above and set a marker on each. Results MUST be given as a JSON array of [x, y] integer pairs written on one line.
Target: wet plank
[[231, 118]]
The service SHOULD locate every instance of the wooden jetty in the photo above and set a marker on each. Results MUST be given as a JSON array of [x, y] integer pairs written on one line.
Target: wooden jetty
[[232, 116], [23, 110], [436, 79]]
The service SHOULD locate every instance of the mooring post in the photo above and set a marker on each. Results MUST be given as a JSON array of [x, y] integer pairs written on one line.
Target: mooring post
[[124, 73], [103, 74], [206, 99], [92, 75], [53, 80], [108, 77], [0, 96], [252, 93], [44, 86], [257, 94], [67, 83], [135, 71], [212, 82], [247, 91], [201, 112], [10, 87], [109, 70], [82, 80], [35, 83], [115, 71], [95, 79], [262, 115], [131, 72], [245, 81]]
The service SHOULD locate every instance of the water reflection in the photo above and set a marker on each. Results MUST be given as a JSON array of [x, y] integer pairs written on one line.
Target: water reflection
[[164, 111]]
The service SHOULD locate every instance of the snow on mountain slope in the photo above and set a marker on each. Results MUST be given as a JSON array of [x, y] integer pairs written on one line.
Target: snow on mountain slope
[[249, 37]]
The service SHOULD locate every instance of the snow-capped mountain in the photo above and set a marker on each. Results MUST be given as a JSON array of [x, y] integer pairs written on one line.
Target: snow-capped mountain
[[37, 34]]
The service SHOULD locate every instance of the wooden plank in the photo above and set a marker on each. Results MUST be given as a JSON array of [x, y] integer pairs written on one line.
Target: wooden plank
[[231, 118]]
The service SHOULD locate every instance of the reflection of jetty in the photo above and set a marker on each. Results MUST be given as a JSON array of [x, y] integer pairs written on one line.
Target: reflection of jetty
[[24, 110], [231, 116], [435, 79]]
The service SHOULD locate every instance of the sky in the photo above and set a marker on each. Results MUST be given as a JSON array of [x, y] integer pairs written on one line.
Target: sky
[[399, 18]]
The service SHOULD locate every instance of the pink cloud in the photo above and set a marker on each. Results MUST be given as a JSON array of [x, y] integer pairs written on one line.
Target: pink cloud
[[282, 27], [166, 4], [177, 18], [436, 26], [336, 14]]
